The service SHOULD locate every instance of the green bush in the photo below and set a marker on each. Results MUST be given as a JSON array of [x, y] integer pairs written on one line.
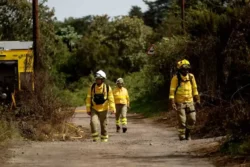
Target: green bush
[[143, 90], [236, 147]]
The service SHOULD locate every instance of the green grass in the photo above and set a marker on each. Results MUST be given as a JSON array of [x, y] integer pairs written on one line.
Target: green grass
[[73, 99], [150, 108]]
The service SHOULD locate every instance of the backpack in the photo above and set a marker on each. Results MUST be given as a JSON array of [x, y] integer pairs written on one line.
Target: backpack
[[99, 98], [180, 80]]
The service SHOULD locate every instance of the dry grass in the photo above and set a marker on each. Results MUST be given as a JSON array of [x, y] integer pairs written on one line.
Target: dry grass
[[201, 129], [230, 161], [43, 115], [8, 130]]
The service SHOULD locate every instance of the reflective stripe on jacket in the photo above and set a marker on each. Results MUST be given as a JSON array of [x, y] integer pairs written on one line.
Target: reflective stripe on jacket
[[121, 96], [109, 103], [186, 90]]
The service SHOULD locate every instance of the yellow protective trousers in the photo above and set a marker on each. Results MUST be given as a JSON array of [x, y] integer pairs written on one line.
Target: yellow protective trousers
[[95, 118], [186, 117], [121, 114]]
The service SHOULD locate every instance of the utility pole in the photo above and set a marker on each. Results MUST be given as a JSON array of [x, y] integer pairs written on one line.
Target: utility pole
[[183, 15], [36, 43]]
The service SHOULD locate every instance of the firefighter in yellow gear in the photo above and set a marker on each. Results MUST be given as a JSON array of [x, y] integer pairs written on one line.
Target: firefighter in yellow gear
[[122, 104], [183, 94], [99, 99]]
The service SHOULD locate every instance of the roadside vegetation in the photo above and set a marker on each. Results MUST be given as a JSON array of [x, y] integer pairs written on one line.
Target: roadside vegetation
[[216, 41]]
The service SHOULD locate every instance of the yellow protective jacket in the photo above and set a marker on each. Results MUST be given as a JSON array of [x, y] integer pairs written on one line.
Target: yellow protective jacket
[[108, 104], [121, 96], [186, 91]]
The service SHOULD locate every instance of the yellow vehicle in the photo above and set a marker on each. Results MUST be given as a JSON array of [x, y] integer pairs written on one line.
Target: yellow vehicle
[[16, 69]]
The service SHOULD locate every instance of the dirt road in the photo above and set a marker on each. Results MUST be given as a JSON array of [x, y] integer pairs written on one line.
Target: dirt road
[[145, 144]]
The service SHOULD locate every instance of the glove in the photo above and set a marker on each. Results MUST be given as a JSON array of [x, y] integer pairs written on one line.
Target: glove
[[89, 113], [197, 99], [174, 107], [197, 102]]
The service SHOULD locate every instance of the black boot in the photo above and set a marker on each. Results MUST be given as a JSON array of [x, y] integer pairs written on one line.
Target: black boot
[[118, 128], [124, 129], [181, 137], [188, 135]]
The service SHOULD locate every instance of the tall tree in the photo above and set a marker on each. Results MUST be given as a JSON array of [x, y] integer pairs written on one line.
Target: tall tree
[[81, 25], [118, 47], [15, 20], [157, 10], [68, 36], [136, 11]]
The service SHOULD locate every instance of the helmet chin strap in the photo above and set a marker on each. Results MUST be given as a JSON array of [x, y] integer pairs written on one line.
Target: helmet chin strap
[[99, 84]]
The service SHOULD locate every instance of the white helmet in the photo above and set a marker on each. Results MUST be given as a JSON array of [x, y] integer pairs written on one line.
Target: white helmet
[[119, 80], [100, 74], [4, 96]]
